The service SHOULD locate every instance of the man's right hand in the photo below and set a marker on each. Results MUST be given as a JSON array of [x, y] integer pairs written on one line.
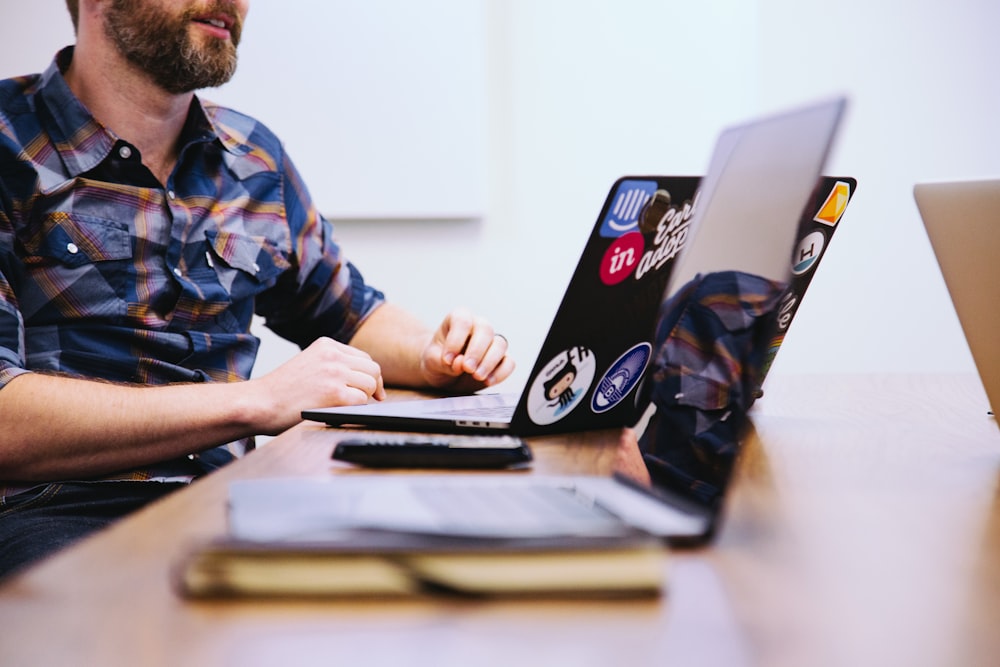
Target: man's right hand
[[327, 373]]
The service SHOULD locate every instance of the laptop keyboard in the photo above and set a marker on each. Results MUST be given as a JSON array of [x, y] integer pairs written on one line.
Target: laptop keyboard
[[517, 508], [492, 411]]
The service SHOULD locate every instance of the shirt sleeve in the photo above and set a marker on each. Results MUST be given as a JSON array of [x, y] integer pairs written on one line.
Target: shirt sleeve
[[12, 352], [325, 295]]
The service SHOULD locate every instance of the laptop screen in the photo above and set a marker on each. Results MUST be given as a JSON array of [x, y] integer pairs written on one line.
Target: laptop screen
[[762, 223]]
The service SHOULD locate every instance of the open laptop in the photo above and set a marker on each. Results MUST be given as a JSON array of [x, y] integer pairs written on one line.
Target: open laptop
[[962, 220], [763, 188], [671, 481]]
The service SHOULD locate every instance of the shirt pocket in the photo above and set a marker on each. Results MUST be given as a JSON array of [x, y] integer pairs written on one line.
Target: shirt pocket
[[245, 265], [76, 264]]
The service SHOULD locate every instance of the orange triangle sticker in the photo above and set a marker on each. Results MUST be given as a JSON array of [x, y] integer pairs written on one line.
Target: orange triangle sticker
[[833, 207]]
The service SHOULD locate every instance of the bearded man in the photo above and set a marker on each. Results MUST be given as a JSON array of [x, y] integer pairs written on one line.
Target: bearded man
[[141, 227]]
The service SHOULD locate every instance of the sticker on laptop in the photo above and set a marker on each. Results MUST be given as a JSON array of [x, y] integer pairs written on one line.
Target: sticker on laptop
[[621, 258], [561, 385], [627, 203], [669, 224], [772, 352], [807, 252], [621, 378], [786, 310], [835, 204]]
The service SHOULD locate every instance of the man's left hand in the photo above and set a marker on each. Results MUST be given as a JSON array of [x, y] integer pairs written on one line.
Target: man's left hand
[[465, 354]]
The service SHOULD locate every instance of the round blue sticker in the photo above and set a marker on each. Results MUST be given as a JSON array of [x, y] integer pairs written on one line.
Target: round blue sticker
[[621, 378]]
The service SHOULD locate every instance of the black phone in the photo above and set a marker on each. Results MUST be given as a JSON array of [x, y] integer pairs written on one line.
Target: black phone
[[396, 450]]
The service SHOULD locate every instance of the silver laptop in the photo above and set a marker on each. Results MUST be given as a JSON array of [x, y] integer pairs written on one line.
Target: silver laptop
[[962, 220], [743, 215], [676, 476]]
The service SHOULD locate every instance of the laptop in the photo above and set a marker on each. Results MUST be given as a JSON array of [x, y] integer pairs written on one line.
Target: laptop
[[763, 188], [962, 223], [745, 257]]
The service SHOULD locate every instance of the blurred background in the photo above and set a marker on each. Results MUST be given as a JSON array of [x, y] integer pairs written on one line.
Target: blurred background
[[464, 148]]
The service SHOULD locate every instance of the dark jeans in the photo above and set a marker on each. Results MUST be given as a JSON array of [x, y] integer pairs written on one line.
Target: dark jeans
[[42, 520]]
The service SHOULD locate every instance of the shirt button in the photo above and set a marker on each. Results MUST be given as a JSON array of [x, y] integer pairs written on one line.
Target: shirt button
[[72, 248], [177, 272], [125, 152], [170, 193], [256, 267]]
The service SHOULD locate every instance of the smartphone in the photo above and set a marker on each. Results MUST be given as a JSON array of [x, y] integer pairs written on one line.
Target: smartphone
[[396, 450]]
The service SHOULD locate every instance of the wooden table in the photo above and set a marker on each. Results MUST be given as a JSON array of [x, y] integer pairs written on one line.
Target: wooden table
[[863, 528]]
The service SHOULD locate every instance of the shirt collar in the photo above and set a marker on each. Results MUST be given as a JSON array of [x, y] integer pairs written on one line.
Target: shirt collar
[[83, 143], [202, 125]]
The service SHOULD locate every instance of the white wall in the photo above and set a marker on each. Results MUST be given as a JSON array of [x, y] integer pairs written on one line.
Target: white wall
[[580, 92], [381, 132], [925, 104]]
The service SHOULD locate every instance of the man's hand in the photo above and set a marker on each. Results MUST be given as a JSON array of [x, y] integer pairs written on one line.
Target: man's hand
[[465, 354], [628, 458], [325, 373]]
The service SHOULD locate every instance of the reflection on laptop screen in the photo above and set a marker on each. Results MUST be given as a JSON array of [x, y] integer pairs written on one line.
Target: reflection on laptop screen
[[732, 294]]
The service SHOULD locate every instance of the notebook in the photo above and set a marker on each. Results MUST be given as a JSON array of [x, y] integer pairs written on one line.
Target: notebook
[[963, 224], [762, 188]]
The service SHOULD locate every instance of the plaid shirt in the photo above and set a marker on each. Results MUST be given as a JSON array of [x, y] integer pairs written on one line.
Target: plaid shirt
[[106, 273]]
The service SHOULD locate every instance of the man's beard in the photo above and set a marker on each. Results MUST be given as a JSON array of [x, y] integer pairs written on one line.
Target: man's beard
[[160, 44]]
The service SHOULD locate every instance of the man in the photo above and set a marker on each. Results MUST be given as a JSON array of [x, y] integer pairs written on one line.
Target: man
[[140, 229]]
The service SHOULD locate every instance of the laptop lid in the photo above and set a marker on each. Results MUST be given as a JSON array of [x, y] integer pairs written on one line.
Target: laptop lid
[[617, 315], [962, 223]]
